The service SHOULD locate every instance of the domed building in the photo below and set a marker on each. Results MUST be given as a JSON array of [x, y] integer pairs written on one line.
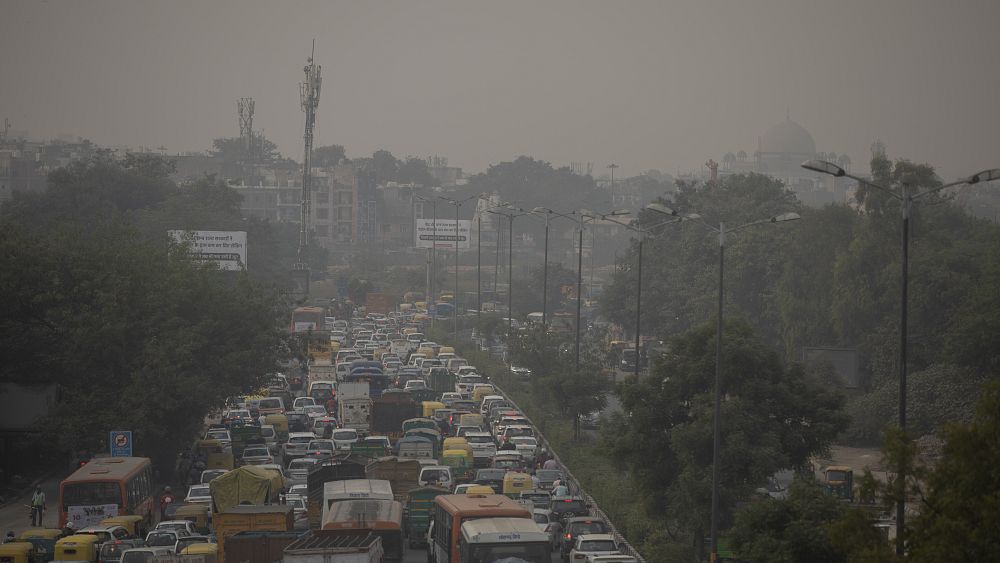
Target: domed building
[[780, 153]]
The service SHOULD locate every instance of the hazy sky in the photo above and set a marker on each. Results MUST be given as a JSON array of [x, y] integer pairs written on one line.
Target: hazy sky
[[645, 84]]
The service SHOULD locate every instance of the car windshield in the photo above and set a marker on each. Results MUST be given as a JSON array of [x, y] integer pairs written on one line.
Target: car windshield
[[255, 452], [198, 491], [210, 474], [474, 439], [218, 435], [320, 446], [345, 435], [575, 506], [484, 474], [541, 518], [299, 439], [434, 475], [140, 556], [597, 545], [588, 527], [301, 464]]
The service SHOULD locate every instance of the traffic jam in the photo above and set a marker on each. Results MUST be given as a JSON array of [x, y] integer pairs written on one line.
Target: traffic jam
[[379, 446]]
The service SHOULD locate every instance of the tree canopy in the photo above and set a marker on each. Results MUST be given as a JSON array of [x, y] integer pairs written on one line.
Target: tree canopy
[[773, 417]]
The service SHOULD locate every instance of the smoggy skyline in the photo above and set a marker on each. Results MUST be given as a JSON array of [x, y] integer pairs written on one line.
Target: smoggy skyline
[[664, 85]]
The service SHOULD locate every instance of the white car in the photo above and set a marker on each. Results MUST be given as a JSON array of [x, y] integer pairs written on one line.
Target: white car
[[344, 437], [467, 370], [415, 384], [300, 402], [198, 494], [182, 527], [297, 444], [220, 434], [298, 470], [613, 559], [257, 455], [589, 546], [520, 371]]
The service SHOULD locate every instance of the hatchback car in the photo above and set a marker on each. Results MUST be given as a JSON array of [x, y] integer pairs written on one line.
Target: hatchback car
[[578, 526], [297, 445], [589, 546], [568, 507], [257, 455], [182, 527], [344, 437], [198, 494], [161, 538], [435, 475], [111, 551], [549, 524]]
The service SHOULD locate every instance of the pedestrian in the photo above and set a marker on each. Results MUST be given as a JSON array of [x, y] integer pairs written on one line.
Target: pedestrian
[[535, 482], [37, 507], [550, 463], [559, 489]]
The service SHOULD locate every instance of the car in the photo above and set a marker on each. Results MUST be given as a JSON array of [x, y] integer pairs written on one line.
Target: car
[[617, 558], [299, 468], [344, 437], [520, 371], [589, 546], [415, 384], [277, 469], [209, 474], [182, 527], [299, 490], [190, 540], [111, 551], [538, 498], [298, 504], [296, 446], [548, 524], [257, 455], [300, 402], [198, 494], [323, 425], [547, 478], [579, 525], [146, 554], [236, 416], [161, 538], [435, 475], [490, 477], [527, 446], [450, 397], [298, 421], [220, 434], [105, 533], [321, 449], [568, 507], [315, 411]]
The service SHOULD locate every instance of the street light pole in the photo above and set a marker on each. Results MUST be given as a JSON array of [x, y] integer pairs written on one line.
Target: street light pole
[[458, 204], [906, 200], [717, 391]]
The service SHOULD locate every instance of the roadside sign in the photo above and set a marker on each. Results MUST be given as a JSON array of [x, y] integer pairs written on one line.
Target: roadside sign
[[121, 443]]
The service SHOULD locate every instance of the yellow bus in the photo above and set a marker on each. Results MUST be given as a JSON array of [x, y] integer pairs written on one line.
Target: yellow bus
[[106, 487], [450, 511]]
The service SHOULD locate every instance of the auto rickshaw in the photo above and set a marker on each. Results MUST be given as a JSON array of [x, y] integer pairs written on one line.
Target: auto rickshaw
[[839, 482], [78, 547], [460, 462], [199, 514], [429, 407], [216, 457], [480, 490], [44, 540], [515, 483], [280, 424], [209, 551], [18, 552], [134, 523]]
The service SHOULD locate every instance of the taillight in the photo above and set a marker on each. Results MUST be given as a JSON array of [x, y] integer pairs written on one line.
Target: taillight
[[568, 536]]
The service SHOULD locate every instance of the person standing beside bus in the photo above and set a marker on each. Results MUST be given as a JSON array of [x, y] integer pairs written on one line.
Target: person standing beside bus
[[37, 507]]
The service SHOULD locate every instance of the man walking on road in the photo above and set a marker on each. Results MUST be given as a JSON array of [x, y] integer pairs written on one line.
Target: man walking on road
[[37, 507]]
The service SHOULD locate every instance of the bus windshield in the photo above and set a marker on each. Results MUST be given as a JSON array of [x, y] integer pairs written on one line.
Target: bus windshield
[[89, 494]]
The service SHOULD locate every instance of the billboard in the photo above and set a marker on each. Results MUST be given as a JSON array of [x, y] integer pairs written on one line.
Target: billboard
[[227, 249], [444, 235]]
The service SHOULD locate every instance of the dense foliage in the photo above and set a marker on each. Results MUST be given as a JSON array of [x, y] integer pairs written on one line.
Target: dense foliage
[[97, 300], [773, 417]]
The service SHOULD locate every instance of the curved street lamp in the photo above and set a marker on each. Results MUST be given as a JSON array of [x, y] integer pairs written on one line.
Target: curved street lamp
[[906, 198], [721, 230], [458, 204]]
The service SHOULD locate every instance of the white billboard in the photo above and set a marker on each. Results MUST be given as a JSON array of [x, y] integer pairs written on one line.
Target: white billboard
[[228, 249], [444, 235]]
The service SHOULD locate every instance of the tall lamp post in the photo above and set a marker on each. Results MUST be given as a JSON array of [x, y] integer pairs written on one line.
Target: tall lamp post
[[430, 252], [458, 204], [906, 199], [511, 213], [583, 216], [642, 234], [545, 267], [721, 230]]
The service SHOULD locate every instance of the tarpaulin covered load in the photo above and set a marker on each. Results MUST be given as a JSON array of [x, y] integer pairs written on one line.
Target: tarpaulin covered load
[[249, 484]]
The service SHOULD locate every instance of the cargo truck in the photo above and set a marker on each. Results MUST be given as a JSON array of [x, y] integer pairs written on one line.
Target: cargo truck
[[390, 411], [326, 548], [354, 406]]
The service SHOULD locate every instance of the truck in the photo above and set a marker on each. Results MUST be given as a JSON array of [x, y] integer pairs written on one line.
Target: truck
[[390, 410], [249, 484], [441, 380], [322, 370], [334, 470], [258, 546], [380, 303], [402, 475], [326, 548], [250, 518], [354, 405]]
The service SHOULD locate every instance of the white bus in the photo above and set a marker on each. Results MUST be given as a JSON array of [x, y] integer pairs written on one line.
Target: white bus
[[511, 540], [355, 489]]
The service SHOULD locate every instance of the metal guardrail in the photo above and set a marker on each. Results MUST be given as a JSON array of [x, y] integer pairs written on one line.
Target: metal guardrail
[[577, 489]]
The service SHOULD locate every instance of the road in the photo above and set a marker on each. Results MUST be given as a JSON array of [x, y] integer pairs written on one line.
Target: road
[[15, 515]]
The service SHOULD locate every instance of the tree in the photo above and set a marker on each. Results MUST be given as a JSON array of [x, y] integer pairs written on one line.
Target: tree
[[959, 514], [328, 156], [773, 417], [528, 291]]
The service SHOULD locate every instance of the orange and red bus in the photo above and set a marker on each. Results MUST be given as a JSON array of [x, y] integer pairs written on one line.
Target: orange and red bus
[[450, 511], [106, 487]]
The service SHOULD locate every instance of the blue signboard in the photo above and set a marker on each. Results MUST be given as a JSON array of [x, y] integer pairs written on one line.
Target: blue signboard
[[121, 443]]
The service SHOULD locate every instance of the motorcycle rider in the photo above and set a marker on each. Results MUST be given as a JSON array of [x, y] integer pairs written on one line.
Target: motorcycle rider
[[165, 500]]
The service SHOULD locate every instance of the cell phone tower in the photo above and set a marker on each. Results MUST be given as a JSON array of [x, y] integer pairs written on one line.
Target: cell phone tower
[[309, 94], [245, 106]]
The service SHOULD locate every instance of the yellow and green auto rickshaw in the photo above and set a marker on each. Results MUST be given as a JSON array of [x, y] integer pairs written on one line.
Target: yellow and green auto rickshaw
[[78, 547], [44, 540], [460, 462], [135, 524], [18, 552], [208, 551], [199, 514], [514, 483]]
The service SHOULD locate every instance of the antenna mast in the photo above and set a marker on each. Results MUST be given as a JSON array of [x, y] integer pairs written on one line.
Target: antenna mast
[[309, 94], [245, 106]]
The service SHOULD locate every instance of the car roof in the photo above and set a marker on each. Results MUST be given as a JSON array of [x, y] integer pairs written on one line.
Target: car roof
[[300, 435], [596, 537]]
